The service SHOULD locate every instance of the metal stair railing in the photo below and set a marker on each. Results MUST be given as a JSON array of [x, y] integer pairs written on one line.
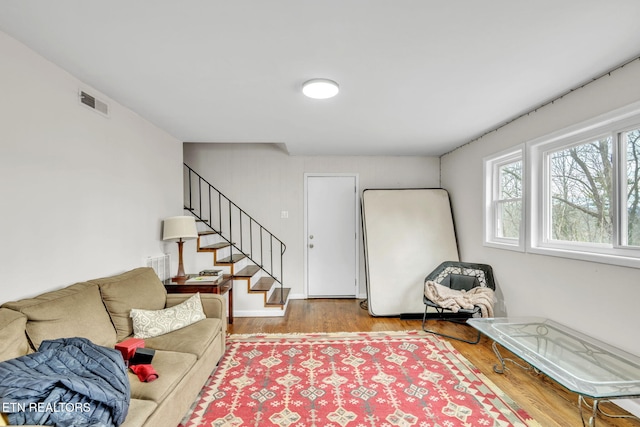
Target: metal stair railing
[[243, 233]]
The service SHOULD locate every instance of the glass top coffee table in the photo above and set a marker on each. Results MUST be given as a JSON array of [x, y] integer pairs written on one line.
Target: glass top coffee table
[[578, 362]]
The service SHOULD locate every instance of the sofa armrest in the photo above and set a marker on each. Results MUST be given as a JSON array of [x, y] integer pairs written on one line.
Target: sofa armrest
[[214, 305]]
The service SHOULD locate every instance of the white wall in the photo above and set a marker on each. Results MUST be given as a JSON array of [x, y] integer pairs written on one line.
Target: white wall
[[599, 299], [264, 180], [81, 195]]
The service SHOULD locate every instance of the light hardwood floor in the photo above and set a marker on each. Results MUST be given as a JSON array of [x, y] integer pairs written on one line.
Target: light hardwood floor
[[547, 402]]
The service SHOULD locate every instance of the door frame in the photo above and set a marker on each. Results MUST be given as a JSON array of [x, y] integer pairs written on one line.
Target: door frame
[[356, 198]]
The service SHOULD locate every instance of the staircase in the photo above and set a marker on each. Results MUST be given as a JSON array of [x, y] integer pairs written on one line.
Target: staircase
[[240, 246]]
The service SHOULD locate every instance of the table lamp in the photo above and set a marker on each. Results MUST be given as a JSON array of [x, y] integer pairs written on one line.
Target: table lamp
[[180, 228]]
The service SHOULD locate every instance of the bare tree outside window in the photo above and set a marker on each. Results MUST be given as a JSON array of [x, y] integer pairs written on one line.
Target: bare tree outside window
[[509, 203], [581, 192], [631, 141]]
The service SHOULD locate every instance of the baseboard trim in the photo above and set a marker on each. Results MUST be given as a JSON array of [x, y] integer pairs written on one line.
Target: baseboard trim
[[631, 405], [274, 312], [303, 296]]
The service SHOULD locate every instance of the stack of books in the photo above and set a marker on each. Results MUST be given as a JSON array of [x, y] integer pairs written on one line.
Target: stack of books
[[210, 273], [207, 276]]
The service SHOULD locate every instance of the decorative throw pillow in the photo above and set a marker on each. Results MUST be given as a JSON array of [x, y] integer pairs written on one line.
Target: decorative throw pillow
[[151, 323]]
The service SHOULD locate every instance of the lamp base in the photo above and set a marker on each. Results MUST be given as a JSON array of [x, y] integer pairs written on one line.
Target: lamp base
[[180, 275]]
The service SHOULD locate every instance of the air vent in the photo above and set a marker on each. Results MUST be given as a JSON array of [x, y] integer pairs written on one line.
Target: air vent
[[94, 103]]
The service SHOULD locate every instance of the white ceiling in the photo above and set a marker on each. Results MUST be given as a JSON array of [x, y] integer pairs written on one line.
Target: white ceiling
[[417, 77]]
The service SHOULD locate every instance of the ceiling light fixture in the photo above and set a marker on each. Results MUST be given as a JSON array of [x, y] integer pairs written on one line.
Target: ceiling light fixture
[[320, 88]]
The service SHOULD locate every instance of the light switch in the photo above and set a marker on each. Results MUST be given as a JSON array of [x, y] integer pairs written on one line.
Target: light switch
[[284, 214]]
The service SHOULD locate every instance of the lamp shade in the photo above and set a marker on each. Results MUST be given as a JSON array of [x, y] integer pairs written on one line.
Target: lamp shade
[[179, 227]]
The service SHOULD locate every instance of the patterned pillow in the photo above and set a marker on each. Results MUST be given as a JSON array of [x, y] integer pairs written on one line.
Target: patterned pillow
[[151, 323]]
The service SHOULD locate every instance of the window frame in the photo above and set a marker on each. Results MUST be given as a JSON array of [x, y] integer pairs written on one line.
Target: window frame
[[491, 168], [620, 228], [611, 124]]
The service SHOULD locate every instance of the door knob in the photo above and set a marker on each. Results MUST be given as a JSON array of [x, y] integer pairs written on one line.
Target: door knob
[[311, 245], [311, 236]]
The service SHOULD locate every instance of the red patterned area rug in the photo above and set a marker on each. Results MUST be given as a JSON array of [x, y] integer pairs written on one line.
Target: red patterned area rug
[[350, 379]]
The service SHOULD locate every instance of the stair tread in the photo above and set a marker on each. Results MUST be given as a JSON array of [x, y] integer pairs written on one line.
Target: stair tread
[[263, 285], [232, 259], [214, 246], [248, 271], [206, 232], [274, 299]]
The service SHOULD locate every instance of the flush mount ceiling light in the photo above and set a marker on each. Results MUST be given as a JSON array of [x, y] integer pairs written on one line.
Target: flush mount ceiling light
[[320, 88]]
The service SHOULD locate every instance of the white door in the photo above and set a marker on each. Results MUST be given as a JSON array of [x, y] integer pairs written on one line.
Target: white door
[[331, 235]]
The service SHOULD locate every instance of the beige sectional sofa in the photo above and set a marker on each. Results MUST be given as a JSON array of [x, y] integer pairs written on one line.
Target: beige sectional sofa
[[99, 310]]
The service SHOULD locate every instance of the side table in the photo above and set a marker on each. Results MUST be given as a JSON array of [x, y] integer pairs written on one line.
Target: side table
[[177, 286]]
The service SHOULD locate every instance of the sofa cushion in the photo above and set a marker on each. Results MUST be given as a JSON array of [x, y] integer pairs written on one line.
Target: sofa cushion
[[152, 323], [171, 367], [139, 411], [194, 339], [139, 288], [74, 311], [12, 334]]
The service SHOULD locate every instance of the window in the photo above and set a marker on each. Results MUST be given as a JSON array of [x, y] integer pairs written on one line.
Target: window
[[504, 225], [584, 194], [580, 192], [630, 218]]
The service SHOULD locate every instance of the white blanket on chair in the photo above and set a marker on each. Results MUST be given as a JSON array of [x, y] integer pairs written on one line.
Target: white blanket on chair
[[454, 300]]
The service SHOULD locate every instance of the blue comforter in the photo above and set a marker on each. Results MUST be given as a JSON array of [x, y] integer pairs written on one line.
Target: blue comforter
[[68, 382]]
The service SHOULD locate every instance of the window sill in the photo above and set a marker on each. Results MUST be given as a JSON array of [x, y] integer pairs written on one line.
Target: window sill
[[507, 246], [620, 259]]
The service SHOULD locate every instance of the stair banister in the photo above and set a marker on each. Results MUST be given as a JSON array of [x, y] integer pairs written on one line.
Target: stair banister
[[228, 237]]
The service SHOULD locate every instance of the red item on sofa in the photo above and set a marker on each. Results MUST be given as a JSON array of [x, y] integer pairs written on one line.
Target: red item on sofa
[[128, 347], [145, 373]]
